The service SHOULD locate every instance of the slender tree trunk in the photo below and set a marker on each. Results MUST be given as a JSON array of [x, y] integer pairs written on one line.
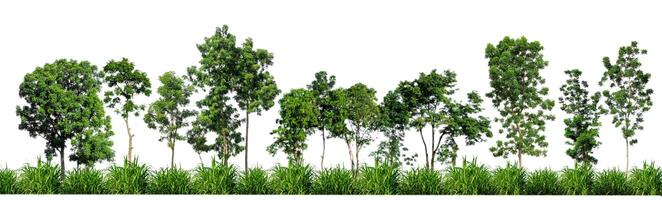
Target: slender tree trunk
[[172, 151], [200, 157], [226, 149], [425, 147], [358, 164], [128, 131], [351, 155], [627, 156], [519, 158], [323, 149], [246, 142], [519, 148], [433, 150], [62, 168]]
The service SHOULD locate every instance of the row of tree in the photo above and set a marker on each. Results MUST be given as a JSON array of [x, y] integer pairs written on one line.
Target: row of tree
[[62, 104]]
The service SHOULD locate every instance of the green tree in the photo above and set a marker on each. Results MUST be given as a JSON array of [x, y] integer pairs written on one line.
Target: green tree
[[321, 88], [628, 96], [393, 121], [243, 70], [518, 94], [62, 103], [125, 82], [168, 113], [298, 119], [582, 127]]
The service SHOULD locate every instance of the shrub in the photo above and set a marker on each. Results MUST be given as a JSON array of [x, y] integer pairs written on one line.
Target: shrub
[[542, 182], [83, 181], [420, 181], [295, 179], [42, 179], [129, 179], [611, 182], [381, 179], [508, 180], [646, 181], [253, 181], [471, 178], [333, 181], [577, 181], [217, 179], [170, 180], [7, 181]]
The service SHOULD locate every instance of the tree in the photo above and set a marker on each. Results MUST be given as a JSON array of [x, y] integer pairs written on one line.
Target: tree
[[628, 96], [62, 103], [298, 119], [125, 82], [168, 113], [518, 94], [321, 88], [243, 71], [393, 122], [582, 127]]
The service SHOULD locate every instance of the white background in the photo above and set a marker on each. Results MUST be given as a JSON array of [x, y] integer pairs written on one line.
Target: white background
[[378, 43]]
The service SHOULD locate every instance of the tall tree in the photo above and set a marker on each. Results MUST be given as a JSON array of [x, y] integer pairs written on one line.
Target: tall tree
[[168, 113], [243, 70], [298, 119], [393, 121], [628, 96], [62, 103], [519, 96], [582, 127], [125, 82], [321, 88]]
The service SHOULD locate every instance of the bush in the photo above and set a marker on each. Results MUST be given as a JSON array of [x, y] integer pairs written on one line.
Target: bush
[[83, 181], [509, 180], [42, 179], [421, 181], [129, 179], [611, 182], [253, 181], [333, 181], [542, 182], [7, 181], [381, 179], [646, 181], [471, 179], [295, 179], [170, 181], [577, 181], [217, 179]]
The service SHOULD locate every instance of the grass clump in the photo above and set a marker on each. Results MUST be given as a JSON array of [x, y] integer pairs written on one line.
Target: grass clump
[[611, 182], [542, 182], [253, 181], [7, 181], [295, 179], [128, 179], [470, 179], [421, 181], [577, 181], [333, 181], [509, 180], [646, 180], [217, 179], [83, 181], [42, 179], [170, 181], [381, 179]]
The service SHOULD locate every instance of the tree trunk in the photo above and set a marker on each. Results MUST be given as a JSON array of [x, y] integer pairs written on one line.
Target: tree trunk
[[200, 157], [433, 150], [62, 168], [358, 164], [627, 156], [246, 143], [425, 147], [172, 151], [128, 131], [323, 149], [519, 158], [226, 149], [351, 155]]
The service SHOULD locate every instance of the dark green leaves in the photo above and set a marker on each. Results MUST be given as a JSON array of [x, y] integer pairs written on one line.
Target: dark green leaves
[[124, 83], [298, 118]]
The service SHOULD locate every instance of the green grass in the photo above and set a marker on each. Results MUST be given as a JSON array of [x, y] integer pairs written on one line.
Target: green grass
[[611, 182], [381, 179], [542, 182], [508, 180], [295, 179], [83, 181], [42, 179], [646, 180], [217, 179], [577, 181], [421, 181], [333, 181], [7, 181], [128, 179], [170, 181], [470, 179], [253, 181]]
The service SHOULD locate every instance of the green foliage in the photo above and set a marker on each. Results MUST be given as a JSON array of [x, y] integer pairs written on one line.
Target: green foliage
[[509, 180], [83, 181], [421, 181], [170, 180], [333, 181], [611, 182], [542, 182], [380, 179], [470, 179], [393, 121], [125, 82], [321, 88], [518, 94], [217, 179], [128, 179], [646, 180], [42, 179], [577, 181], [8, 181], [253, 181], [295, 179], [298, 119]]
